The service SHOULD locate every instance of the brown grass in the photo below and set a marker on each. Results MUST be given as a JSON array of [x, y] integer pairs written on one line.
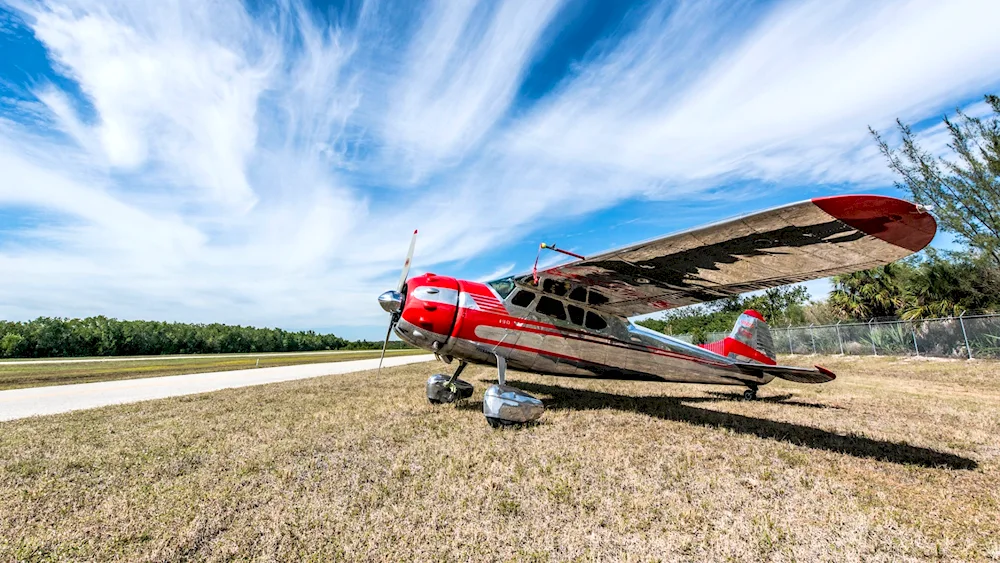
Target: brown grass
[[895, 461], [38, 373]]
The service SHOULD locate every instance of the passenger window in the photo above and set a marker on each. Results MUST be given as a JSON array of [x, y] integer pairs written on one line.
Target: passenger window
[[551, 307], [595, 322], [575, 314], [596, 298], [522, 298], [554, 286], [578, 294]]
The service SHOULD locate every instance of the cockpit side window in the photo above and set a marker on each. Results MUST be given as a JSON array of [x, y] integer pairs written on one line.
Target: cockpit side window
[[522, 298], [503, 287], [551, 307]]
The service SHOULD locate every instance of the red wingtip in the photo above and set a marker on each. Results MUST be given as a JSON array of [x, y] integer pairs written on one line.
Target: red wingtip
[[825, 371], [414, 231], [893, 220], [754, 314]]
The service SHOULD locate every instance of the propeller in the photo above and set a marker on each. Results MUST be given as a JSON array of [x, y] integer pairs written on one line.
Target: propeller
[[392, 301]]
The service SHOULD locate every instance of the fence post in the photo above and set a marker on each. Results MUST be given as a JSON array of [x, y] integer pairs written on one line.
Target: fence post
[[812, 334], [961, 321], [788, 333], [871, 335], [913, 331], [839, 339]]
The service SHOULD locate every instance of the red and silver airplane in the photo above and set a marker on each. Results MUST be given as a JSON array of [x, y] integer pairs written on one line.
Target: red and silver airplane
[[573, 319]]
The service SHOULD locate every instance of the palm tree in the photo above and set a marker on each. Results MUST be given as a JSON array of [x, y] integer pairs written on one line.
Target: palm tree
[[943, 287], [878, 292]]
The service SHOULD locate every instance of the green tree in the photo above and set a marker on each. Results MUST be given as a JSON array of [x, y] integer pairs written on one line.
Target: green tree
[[101, 336], [779, 305], [879, 292], [964, 189], [944, 285], [12, 345]]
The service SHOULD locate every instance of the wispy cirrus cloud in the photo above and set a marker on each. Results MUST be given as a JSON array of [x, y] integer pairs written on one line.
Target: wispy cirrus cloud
[[211, 162], [774, 101]]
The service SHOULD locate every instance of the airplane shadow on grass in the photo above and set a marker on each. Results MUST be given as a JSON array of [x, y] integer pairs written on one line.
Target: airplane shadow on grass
[[675, 409], [778, 399]]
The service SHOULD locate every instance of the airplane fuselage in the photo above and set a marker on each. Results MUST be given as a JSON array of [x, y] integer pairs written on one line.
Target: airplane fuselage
[[548, 333]]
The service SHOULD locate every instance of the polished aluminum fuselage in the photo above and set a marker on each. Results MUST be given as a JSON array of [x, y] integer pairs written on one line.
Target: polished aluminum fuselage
[[486, 325]]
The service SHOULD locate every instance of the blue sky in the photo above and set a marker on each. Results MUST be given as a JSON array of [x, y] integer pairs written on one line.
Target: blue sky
[[265, 163]]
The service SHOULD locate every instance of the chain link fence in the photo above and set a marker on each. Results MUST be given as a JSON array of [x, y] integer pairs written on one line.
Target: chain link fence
[[968, 336]]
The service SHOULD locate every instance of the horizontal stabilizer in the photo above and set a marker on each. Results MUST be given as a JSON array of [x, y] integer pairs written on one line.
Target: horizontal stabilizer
[[790, 373]]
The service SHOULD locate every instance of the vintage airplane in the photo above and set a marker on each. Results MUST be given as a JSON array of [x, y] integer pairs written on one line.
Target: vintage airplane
[[573, 319]]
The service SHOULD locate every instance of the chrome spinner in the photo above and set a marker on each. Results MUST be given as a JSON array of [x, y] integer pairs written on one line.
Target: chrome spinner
[[391, 301]]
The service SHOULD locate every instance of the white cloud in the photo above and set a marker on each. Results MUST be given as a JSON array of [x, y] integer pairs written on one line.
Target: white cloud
[[269, 168], [459, 76], [498, 273], [174, 88], [792, 97]]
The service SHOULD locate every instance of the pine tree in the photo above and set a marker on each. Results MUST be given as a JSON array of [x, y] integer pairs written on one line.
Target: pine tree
[[963, 189]]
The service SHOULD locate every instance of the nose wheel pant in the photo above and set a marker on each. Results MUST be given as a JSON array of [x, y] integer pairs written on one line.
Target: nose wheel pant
[[444, 389]]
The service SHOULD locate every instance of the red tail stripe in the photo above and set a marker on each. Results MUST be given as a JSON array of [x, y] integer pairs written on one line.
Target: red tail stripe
[[730, 345]]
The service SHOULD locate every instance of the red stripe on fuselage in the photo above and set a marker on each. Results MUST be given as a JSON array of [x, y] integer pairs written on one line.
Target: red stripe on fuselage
[[489, 316], [474, 319]]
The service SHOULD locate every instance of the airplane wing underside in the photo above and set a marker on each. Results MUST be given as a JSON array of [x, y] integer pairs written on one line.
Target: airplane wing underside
[[795, 243]]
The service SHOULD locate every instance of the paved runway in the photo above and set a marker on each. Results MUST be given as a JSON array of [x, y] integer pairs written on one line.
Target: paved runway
[[21, 403], [189, 357]]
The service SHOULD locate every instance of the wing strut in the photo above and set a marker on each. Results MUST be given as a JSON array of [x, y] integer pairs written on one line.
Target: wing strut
[[534, 269]]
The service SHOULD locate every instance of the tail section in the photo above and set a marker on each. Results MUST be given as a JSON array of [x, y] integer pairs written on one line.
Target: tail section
[[750, 341], [750, 344]]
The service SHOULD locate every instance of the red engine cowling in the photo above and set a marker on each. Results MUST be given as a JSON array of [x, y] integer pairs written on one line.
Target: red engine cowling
[[429, 311]]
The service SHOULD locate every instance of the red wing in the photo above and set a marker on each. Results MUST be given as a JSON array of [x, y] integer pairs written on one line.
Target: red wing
[[790, 244]]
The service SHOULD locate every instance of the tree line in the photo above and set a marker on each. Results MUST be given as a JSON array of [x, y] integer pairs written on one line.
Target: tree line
[[963, 190], [928, 285], [48, 337], [779, 305]]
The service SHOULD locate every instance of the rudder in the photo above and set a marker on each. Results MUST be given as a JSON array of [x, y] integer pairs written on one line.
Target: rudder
[[750, 340]]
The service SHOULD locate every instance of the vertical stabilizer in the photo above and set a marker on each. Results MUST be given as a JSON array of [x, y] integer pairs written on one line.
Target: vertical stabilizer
[[751, 330], [750, 340]]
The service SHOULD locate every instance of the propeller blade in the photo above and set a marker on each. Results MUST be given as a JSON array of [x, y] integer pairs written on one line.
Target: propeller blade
[[385, 345], [406, 265]]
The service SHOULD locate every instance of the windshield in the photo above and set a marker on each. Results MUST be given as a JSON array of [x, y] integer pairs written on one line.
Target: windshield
[[503, 286]]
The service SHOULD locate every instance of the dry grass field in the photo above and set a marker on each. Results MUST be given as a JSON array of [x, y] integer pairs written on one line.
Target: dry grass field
[[897, 460], [41, 372]]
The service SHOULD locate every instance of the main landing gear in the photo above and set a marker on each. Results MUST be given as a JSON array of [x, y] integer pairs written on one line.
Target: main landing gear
[[750, 394], [444, 389], [507, 406], [502, 405]]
